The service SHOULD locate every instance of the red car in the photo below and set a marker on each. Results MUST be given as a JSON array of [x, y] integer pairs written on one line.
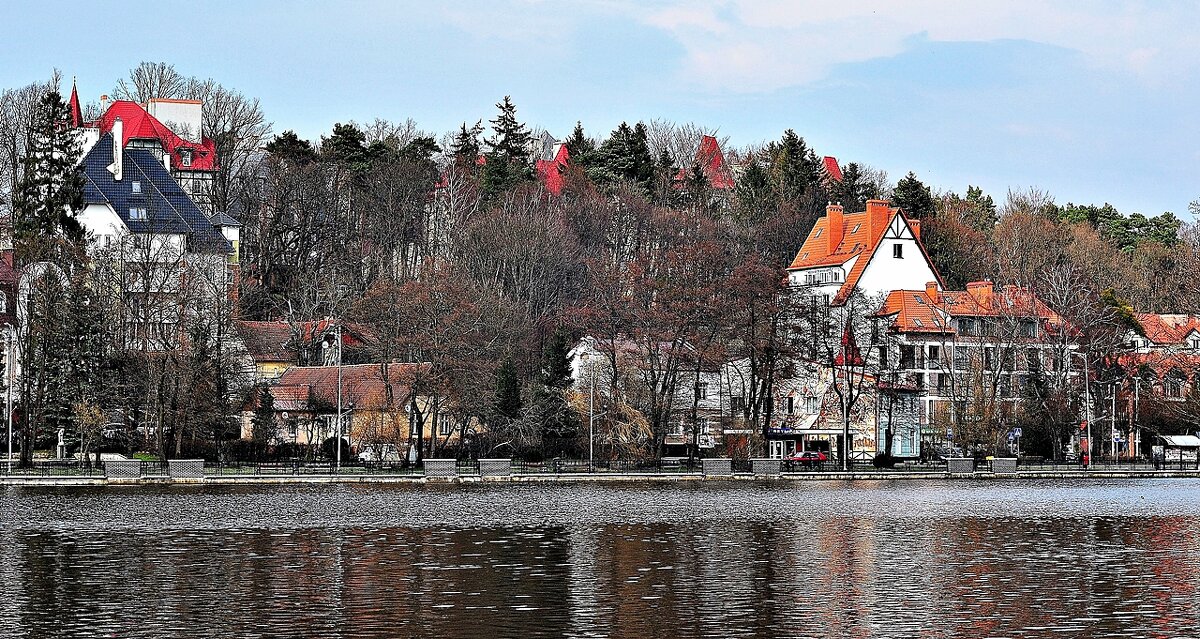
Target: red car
[[807, 459]]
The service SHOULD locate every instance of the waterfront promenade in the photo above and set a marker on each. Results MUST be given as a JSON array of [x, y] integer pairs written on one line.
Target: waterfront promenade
[[446, 471]]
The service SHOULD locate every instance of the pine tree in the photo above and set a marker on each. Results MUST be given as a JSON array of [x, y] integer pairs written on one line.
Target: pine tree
[[508, 390], [755, 195], [556, 362], [581, 147], [794, 167], [262, 423], [854, 190], [511, 140], [465, 147], [50, 190], [288, 146], [625, 155], [346, 146], [913, 196]]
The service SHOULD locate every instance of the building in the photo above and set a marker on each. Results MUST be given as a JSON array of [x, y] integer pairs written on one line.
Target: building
[[268, 348], [169, 129], [711, 161], [964, 357], [379, 407], [553, 158], [874, 252]]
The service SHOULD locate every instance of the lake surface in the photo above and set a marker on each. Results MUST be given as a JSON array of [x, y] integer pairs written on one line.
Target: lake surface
[[1077, 558]]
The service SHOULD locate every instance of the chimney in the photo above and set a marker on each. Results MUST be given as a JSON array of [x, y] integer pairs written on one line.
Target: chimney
[[103, 104], [878, 215], [931, 292], [981, 291], [835, 225], [118, 140], [915, 225]]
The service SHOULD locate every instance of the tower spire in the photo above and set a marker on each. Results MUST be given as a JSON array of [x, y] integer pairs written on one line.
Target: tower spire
[[76, 112]]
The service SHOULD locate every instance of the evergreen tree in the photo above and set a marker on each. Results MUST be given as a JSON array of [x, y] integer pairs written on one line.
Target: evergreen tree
[[512, 138], [913, 196], [755, 195], [465, 147], [508, 390], [794, 167], [625, 155], [50, 190], [347, 146], [854, 190], [556, 362], [581, 147], [983, 209], [288, 146], [262, 423]]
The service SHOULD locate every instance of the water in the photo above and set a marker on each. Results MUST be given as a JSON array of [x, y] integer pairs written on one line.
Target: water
[[819, 559]]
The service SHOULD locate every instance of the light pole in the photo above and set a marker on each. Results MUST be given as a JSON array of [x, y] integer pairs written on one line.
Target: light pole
[[1087, 394], [8, 382], [338, 463], [591, 414]]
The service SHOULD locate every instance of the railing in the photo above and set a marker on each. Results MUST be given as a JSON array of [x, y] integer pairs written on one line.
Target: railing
[[52, 468]]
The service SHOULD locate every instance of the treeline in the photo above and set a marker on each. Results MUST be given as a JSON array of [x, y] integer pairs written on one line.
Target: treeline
[[451, 252]]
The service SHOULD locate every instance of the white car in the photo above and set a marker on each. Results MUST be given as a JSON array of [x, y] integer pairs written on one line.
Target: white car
[[384, 453]]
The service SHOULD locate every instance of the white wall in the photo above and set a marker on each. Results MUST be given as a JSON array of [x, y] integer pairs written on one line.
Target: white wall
[[103, 222], [885, 273], [183, 117]]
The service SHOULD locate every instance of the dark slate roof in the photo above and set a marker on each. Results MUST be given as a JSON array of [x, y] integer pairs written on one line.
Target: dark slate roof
[[221, 218], [169, 209]]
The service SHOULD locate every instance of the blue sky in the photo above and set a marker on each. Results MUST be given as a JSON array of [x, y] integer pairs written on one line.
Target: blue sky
[[1090, 103]]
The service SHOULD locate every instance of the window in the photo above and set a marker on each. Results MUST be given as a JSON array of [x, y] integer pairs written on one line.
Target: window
[[185, 157], [898, 251], [445, 427], [908, 357], [818, 233], [810, 405], [1033, 359], [3, 303], [883, 357], [137, 213], [702, 390], [933, 355], [855, 229], [136, 186], [791, 404], [737, 404]]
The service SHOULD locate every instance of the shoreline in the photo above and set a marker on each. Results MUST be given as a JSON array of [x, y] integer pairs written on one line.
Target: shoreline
[[576, 478]]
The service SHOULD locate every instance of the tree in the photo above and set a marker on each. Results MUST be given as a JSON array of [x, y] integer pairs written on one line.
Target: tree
[[150, 80], [625, 155], [508, 390], [794, 166], [288, 146], [50, 190], [581, 147], [913, 197]]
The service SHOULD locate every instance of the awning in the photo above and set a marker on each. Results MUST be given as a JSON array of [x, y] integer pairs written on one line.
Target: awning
[[1181, 441]]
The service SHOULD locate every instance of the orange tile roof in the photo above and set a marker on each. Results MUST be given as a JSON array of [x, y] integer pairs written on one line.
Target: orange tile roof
[[1167, 328], [930, 311], [860, 236]]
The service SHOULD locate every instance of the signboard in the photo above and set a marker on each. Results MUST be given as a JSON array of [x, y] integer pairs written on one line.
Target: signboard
[[708, 441]]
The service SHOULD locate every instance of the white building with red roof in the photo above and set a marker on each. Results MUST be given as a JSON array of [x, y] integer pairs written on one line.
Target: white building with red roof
[[875, 251]]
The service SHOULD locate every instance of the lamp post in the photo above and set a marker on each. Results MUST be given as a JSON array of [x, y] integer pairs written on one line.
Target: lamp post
[[1087, 394], [338, 463], [8, 382], [591, 414]]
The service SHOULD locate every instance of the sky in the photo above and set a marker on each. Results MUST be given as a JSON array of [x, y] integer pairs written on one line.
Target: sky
[[1092, 101]]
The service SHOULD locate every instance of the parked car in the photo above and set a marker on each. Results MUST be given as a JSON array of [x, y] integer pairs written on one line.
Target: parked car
[[386, 453], [806, 459]]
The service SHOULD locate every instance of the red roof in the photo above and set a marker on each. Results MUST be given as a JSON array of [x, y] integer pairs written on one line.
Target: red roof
[[550, 171], [272, 341], [363, 385], [832, 171], [76, 113], [138, 124], [711, 160]]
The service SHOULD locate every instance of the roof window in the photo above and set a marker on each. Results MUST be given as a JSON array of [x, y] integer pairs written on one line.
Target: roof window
[[856, 227], [137, 213], [917, 321], [136, 186], [818, 233]]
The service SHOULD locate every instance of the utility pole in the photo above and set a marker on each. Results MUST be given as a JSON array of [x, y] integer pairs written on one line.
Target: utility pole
[[591, 414], [8, 384]]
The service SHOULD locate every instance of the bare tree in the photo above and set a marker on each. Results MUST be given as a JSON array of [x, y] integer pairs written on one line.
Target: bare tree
[[151, 80]]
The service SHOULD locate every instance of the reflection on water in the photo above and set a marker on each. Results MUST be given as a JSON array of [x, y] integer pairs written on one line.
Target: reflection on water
[[969, 559]]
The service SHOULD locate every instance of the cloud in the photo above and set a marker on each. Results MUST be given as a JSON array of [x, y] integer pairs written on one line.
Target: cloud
[[762, 45]]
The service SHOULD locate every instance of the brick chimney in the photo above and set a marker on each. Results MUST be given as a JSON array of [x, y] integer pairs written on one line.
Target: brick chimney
[[931, 292], [835, 225], [878, 215], [981, 291]]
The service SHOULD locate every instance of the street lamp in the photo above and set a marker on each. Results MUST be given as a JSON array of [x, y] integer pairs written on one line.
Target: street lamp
[[8, 384], [338, 463], [1087, 393]]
